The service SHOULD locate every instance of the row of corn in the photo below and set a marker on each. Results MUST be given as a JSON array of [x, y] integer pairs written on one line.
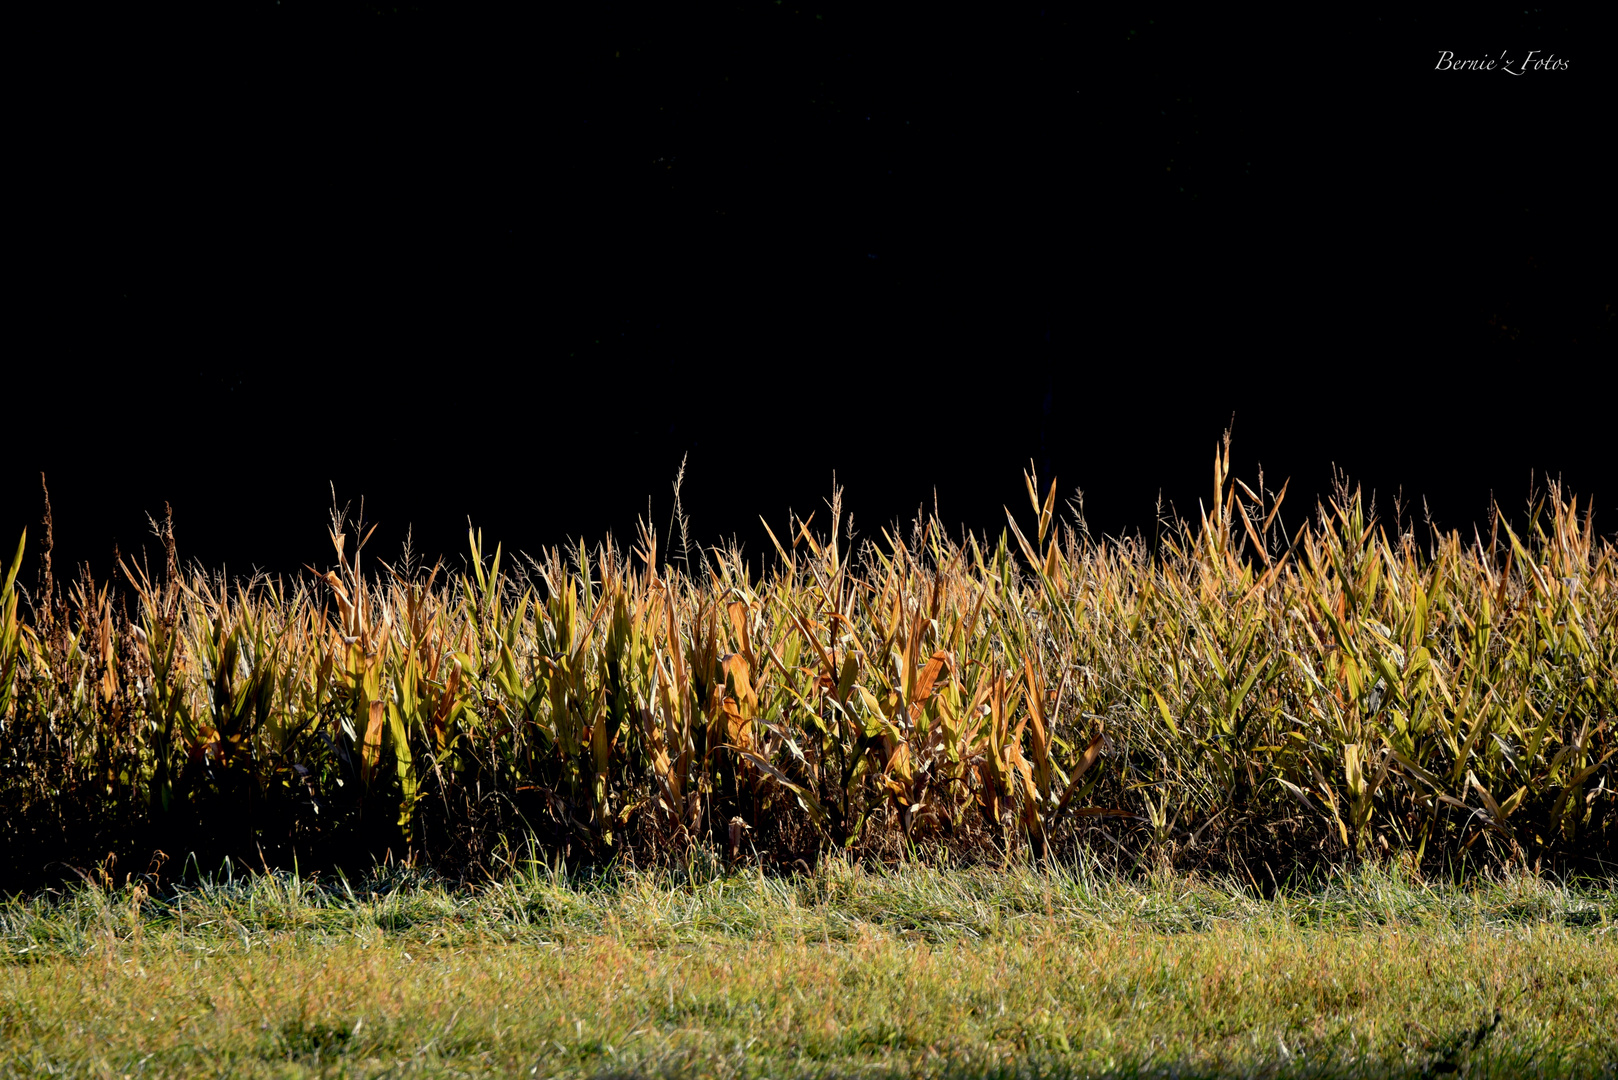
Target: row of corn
[[1243, 693]]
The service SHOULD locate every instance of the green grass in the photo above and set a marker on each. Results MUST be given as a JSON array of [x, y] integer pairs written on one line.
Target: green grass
[[919, 972]]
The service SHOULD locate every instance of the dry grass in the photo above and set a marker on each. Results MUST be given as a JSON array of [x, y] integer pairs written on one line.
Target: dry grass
[[919, 973], [1250, 695]]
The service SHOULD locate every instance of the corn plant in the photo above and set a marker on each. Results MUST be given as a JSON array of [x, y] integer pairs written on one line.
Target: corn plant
[[1243, 693]]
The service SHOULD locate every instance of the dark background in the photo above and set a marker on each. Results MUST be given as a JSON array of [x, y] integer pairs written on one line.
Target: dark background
[[515, 269]]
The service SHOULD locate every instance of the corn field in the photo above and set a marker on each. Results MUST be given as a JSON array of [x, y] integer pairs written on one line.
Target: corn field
[[1236, 695]]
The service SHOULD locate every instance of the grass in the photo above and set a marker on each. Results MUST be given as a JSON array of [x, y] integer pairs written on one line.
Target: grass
[[925, 971]]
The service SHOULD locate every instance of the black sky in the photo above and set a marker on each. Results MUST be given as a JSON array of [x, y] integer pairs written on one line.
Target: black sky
[[514, 270]]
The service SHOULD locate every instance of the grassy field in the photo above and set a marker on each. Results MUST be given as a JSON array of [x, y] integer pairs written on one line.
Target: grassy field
[[858, 768], [845, 972]]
